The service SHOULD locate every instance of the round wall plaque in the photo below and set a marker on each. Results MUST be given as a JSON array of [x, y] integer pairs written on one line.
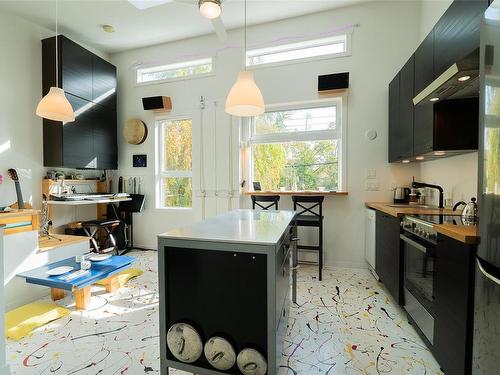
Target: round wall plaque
[[135, 131]]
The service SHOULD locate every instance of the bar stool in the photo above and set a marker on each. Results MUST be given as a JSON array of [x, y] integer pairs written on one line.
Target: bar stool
[[310, 214], [265, 202]]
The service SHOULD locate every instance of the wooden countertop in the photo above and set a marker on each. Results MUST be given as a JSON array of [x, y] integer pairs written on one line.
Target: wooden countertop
[[301, 192], [50, 243], [17, 213], [467, 234], [401, 211]]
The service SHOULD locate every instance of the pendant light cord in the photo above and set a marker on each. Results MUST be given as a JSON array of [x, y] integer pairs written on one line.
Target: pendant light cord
[[245, 52], [57, 55]]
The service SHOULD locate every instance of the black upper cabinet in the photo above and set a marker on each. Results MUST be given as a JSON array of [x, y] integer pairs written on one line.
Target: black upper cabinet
[[422, 129], [104, 135], [406, 88], [90, 85], [424, 63], [394, 149], [104, 83], [78, 142], [401, 113], [457, 33], [76, 69]]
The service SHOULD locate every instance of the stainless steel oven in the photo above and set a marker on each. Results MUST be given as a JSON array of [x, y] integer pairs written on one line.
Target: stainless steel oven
[[419, 247]]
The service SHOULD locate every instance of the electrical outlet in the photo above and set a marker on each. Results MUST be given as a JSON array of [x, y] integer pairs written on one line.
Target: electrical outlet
[[372, 186]]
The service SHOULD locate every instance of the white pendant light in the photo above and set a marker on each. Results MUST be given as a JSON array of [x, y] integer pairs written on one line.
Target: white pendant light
[[210, 8], [245, 98], [55, 106]]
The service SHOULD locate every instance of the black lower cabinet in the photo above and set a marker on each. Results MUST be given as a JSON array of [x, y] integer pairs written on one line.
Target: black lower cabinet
[[454, 306], [388, 260]]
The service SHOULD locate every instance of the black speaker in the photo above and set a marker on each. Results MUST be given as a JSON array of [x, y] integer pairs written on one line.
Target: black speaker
[[336, 81], [157, 103]]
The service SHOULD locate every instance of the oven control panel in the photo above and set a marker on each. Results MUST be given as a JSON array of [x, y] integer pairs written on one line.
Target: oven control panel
[[419, 228]]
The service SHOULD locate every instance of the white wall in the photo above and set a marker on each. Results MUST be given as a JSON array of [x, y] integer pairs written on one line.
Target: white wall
[[457, 174], [387, 35]]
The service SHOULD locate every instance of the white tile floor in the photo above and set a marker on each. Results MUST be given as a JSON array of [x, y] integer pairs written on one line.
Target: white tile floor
[[343, 325]]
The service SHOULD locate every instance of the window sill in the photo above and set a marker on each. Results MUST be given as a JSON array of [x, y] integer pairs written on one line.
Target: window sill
[[298, 192], [174, 209]]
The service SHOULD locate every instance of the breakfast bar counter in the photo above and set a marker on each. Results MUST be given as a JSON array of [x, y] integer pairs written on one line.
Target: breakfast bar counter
[[228, 276]]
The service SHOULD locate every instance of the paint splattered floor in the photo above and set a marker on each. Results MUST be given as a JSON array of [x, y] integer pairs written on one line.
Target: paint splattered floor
[[343, 325]]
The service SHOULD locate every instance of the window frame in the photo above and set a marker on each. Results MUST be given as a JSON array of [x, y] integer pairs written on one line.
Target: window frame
[[160, 159], [276, 48], [176, 79], [340, 101]]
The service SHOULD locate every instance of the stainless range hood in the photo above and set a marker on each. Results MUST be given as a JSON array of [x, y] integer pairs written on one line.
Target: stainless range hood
[[461, 80]]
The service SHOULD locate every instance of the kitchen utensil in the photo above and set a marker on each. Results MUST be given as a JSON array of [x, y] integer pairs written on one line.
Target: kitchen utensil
[[99, 257], [469, 213], [414, 196], [220, 353], [402, 195], [251, 362], [75, 275], [59, 271], [184, 342]]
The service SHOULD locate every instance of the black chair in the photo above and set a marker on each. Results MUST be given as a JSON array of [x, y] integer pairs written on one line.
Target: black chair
[[102, 243], [310, 214], [125, 213], [265, 202]]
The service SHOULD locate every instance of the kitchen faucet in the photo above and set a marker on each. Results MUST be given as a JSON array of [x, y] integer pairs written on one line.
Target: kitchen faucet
[[417, 185]]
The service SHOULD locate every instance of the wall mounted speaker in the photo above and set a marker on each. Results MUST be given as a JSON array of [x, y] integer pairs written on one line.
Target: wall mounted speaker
[[157, 103], [330, 82]]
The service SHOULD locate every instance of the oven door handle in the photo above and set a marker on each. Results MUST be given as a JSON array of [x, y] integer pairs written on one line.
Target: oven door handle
[[413, 243]]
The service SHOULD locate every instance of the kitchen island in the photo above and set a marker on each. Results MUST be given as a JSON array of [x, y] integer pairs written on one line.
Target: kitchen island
[[228, 276]]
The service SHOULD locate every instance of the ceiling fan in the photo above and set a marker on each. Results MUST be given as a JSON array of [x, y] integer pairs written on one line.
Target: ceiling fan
[[210, 9]]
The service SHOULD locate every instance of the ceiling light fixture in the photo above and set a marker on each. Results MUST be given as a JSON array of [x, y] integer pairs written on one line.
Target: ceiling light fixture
[[439, 153], [406, 161], [55, 106], [245, 98], [464, 78], [435, 99], [210, 8], [108, 28], [420, 158]]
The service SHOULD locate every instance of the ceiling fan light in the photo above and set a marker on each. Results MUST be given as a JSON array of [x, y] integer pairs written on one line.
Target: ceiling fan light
[[210, 8], [245, 98], [55, 106]]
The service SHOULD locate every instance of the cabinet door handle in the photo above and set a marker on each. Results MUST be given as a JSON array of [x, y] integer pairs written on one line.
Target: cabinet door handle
[[284, 313], [294, 239], [283, 272], [486, 273]]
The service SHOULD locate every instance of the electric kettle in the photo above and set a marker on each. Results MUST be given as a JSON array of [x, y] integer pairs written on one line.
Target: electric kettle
[[401, 195], [469, 213]]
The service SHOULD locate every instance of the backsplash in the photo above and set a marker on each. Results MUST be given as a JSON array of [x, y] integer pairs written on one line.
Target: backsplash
[[457, 175]]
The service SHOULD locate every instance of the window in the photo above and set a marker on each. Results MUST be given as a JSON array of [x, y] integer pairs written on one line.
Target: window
[[175, 185], [175, 71], [298, 149], [335, 46]]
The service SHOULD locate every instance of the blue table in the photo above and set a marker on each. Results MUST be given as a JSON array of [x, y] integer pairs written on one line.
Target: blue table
[[105, 270]]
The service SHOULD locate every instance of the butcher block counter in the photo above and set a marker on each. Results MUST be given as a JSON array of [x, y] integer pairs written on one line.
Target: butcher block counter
[[227, 276], [468, 234]]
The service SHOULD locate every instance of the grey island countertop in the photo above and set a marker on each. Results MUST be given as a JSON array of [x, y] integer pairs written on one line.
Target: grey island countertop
[[238, 226]]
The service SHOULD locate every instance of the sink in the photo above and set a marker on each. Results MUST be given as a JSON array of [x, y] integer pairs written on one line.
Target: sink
[[423, 206]]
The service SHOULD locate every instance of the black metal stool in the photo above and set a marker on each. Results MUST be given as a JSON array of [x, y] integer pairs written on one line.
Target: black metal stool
[[92, 228], [310, 214], [265, 202]]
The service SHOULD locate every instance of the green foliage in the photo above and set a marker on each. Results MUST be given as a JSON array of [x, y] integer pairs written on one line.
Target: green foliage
[[178, 156], [306, 165]]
